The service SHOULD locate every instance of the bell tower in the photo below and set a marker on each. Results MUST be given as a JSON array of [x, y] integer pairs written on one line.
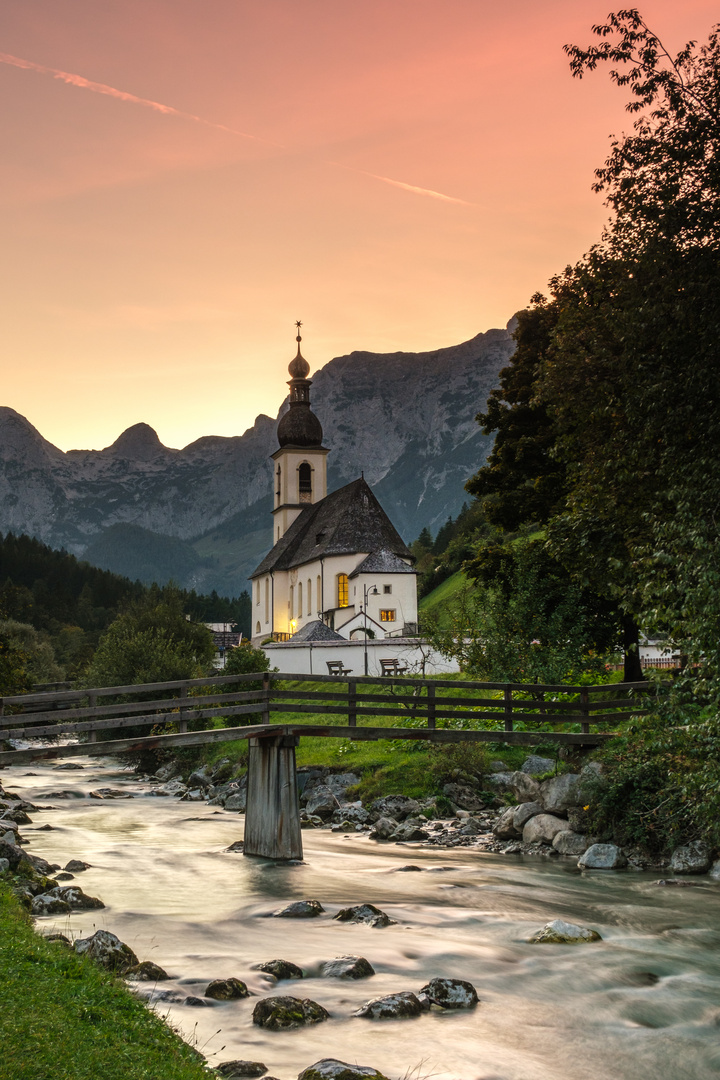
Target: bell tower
[[300, 472]]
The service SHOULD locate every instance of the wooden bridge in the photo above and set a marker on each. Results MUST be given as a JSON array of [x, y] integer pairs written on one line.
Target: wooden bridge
[[439, 711]]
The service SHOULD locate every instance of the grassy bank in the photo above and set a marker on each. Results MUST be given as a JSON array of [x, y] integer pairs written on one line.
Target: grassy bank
[[64, 1018]]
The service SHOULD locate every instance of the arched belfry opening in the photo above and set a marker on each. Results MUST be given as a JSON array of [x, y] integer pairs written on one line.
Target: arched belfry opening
[[305, 482]]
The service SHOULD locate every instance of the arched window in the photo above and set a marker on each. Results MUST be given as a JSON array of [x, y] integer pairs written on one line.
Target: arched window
[[319, 595], [305, 482], [291, 603], [279, 477], [257, 592], [257, 628], [309, 602], [267, 599], [342, 590], [300, 607]]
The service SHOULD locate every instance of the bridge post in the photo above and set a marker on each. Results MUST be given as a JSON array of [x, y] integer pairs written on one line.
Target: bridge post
[[272, 814]]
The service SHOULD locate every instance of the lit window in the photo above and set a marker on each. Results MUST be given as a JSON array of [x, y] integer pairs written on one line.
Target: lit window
[[387, 615], [387, 589], [342, 590]]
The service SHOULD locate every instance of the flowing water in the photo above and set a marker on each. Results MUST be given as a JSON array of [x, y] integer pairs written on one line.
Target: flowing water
[[643, 1002]]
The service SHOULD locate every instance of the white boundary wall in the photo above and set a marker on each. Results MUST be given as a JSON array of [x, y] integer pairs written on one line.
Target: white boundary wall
[[311, 658]]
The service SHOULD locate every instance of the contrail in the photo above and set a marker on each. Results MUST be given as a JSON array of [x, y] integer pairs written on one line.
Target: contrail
[[406, 187], [123, 95], [168, 110]]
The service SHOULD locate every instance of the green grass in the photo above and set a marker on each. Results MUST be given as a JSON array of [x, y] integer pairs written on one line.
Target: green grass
[[63, 1018], [436, 602]]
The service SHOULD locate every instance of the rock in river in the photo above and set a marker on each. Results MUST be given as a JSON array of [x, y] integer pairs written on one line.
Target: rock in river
[[365, 913], [107, 950], [233, 1069], [47, 904], [76, 898], [347, 967], [281, 969], [332, 1069], [147, 972], [571, 843], [691, 858], [392, 1007], [542, 829], [277, 1013], [383, 828], [602, 857], [227, 990], [560, 932], [301, 909], [451, 993], [76, 866]]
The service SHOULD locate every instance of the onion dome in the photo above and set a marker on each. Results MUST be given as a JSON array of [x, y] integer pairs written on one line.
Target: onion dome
[[299, 426]]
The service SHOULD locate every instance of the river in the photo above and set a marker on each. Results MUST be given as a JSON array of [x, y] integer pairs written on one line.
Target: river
[[644, 1002]]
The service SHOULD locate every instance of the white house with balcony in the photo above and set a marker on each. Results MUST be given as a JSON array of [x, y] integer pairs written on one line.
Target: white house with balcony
[[338, 568]]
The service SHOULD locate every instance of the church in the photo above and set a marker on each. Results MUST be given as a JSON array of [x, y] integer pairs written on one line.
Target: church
[[338, 568]]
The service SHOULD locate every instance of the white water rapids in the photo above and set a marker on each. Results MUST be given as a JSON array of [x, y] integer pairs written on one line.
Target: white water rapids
[[644, 1002]]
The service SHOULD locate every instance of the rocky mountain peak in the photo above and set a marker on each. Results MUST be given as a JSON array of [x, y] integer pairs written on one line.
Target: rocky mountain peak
[[138, 443]]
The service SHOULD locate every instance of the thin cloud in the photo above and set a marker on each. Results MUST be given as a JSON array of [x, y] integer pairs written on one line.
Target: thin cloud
[[405, 187], [122, 95], [168, 110]]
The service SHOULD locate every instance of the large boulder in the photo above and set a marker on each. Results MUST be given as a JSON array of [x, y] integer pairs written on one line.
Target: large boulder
[[237, 801], [602, 857], [391, 1007], [394, 806], [108, 951], [300, 909], [542, 829], [12, 852], [340, 782], [233, 1070], [504, 828], [560, 932], [322, 801], [694, 858], [332, 1069], [281, 969], [147, 972], [278, 1013], [561, 792], [409, 830], [464, 797], [47, 904], [201, 778], [451, 993], [536, 766], [571, 843], [523, 813], [347, 967], [77, 899], [383, 828], [365, 913], [519, 784], [227, 990], [355, 813]]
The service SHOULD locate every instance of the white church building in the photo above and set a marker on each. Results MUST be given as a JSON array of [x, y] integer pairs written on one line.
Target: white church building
[[338, 570]]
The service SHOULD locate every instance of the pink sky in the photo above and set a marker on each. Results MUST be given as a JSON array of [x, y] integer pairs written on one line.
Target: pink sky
[[154, 261]]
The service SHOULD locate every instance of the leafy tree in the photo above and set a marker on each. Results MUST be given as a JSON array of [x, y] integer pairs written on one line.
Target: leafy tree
[[245, 659], [14, 678], [522, 480], [152, 641], [39, 657]]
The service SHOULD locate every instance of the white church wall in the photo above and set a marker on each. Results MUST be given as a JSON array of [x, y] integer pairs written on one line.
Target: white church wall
[[311, 658]]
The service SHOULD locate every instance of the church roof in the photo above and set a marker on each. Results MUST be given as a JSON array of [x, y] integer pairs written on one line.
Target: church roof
[[382, 562], [348, 521], [316, 631]]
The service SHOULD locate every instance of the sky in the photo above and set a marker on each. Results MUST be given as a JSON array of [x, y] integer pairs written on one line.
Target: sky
[[183, 179]]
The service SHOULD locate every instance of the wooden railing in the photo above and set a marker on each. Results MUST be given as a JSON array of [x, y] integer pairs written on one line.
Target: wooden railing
[[428, 706]]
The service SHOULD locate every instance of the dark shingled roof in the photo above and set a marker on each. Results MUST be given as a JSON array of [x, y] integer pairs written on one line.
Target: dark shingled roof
[[382, 562], [316, 631], [347, 521]]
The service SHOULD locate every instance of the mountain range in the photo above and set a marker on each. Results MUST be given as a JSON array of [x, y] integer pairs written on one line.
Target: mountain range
[[201, 515]]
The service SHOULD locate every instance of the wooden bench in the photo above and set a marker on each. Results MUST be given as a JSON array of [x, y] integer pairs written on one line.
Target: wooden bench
[[335, 667], [392, 667]]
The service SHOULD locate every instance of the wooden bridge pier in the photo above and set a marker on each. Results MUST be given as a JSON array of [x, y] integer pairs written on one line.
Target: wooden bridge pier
[[272, 813]]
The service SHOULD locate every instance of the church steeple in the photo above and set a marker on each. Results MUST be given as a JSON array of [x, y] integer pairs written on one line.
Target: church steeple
[[299, 426], [301, 467]]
